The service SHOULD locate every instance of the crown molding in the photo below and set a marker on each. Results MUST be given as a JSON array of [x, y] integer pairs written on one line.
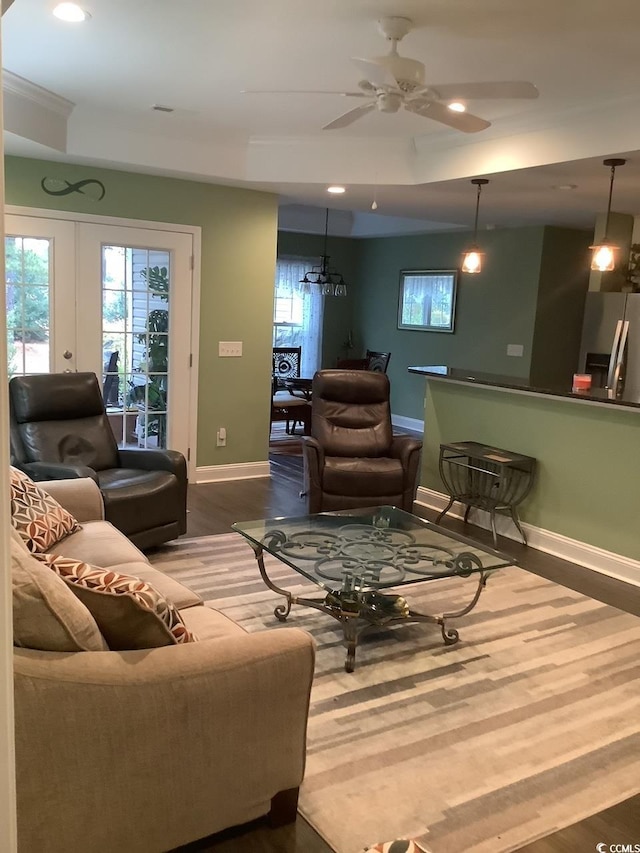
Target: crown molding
[[13, 84]]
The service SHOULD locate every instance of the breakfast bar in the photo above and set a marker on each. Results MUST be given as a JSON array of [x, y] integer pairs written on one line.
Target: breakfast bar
[[586, 442]]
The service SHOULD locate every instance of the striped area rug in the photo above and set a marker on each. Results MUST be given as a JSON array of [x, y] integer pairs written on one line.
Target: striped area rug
[[529, 724]]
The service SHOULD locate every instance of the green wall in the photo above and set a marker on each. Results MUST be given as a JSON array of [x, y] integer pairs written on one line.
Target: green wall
[[494, 308], [564, 281], [239, 234], [588, 479]]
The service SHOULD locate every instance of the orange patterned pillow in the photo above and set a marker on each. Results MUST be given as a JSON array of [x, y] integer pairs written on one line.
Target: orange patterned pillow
[[39, 519], [129, 612]]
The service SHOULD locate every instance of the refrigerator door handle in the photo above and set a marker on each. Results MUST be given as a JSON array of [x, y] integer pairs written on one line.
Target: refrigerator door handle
[[619, 371], [614, 359]]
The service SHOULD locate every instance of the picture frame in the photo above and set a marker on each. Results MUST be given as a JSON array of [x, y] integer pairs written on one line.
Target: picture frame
[[427, 300]]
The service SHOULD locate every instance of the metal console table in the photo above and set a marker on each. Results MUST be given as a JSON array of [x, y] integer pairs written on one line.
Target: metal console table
[[486, 478]]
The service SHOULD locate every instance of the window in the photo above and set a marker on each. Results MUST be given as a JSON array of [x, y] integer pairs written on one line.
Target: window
[[27, 262], [297, 316], [427, 300]]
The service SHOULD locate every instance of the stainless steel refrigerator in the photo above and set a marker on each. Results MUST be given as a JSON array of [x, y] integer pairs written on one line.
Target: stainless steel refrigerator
[[610, 345]]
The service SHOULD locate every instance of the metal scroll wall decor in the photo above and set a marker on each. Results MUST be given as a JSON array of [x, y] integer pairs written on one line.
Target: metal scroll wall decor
[[56, 186]]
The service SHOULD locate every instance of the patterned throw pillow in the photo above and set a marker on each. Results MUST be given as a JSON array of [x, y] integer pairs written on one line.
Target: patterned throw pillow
[[39, 519], [129, 612], [46, 614]]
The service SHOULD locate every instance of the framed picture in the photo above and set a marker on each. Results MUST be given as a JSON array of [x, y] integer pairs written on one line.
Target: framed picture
[[427, 300]]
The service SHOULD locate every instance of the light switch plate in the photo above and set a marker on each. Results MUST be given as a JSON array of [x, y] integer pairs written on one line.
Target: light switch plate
[[229, 349], [515, 349]]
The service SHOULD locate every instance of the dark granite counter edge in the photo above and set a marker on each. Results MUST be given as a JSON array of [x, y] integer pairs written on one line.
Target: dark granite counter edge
[[595, 396]]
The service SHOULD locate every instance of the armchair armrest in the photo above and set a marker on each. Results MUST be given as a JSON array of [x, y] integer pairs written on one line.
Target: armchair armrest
[[56, 471], [403, 447], [81, 497], [313, 456], [179, 741], [155, 460]]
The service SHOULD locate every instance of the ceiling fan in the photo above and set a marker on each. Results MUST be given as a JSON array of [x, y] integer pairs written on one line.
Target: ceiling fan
[[393, 81]]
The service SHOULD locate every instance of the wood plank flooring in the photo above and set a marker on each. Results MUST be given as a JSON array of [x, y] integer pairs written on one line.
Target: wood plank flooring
[[214, 507]]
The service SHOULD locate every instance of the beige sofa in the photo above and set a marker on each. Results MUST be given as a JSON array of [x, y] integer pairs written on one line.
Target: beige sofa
[[146, 750]]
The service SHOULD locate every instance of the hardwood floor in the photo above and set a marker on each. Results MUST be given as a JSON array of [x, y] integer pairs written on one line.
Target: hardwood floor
[[214, 507]]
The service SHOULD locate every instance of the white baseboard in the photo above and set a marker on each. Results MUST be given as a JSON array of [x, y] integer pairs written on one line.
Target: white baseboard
[[589, 556], [407, 423], [239, 471]]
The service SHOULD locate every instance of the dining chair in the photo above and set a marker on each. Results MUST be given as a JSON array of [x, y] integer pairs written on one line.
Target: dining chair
[[286, 405], [375, 361]]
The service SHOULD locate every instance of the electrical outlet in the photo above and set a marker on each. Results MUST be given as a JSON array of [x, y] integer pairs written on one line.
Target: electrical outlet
[[221, 437], [229, 349]]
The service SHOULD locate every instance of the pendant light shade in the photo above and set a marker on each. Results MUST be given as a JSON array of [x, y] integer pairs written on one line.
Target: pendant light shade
[[329, 281], [603, 258], [472, 257]]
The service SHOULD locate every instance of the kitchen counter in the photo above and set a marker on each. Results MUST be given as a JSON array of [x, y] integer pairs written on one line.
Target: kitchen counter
[[597, 396]]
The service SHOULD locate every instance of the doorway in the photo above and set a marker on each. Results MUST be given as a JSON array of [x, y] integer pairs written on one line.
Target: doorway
[[114, 298]]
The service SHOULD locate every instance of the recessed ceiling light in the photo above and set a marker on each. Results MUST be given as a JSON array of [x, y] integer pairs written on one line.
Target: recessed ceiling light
[[70, 12], [565, 187], [457, 107], [336, 190]]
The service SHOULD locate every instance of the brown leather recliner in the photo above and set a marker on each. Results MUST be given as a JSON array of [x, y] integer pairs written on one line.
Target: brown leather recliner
[[352, 459], [60, 430]]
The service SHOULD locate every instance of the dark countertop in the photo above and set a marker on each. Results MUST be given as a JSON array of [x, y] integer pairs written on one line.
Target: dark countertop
[[515, 383]]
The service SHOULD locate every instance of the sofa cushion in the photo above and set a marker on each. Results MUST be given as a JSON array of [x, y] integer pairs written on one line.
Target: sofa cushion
[[180, 596], [130, 613], [39, 519], [363, 476], [100, 544], [210, 624], [46, 614]]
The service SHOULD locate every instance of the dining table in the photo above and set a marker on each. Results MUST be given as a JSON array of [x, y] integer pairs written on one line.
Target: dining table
[[300, 384]]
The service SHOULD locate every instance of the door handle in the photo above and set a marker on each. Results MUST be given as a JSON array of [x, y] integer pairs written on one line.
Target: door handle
[[66, 354], [613, 361], [618, 375]]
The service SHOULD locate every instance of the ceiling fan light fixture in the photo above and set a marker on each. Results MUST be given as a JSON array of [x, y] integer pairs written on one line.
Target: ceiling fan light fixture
[[604, 257], [322, 275], [472, 257], [457, 107], [71, 13]]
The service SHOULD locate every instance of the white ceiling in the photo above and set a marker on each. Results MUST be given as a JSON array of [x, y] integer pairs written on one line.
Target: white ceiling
[[198, 55]]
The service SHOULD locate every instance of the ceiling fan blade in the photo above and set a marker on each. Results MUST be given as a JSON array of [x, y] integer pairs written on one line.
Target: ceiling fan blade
[[350, 117], [505, 89], [465, 122], [302, 92], [375, 73]]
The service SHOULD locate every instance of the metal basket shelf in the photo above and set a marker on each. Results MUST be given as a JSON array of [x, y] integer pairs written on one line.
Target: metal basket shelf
[[486, 478]]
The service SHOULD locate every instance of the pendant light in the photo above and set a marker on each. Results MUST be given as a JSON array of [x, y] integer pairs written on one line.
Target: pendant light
[[604, 252], [328, 279], [472, 258]]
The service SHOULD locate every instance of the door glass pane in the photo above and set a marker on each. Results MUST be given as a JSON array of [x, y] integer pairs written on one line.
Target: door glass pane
[[135, 343], [28, 262]]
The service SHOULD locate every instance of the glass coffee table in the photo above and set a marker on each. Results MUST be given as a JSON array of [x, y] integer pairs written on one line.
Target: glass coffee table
[[354, 555]]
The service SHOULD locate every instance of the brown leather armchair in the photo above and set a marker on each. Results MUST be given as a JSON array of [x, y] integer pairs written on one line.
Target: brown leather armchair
[[60, 430], [352, 459]]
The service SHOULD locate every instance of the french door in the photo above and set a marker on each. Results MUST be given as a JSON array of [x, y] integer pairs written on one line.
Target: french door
[[115, 300]]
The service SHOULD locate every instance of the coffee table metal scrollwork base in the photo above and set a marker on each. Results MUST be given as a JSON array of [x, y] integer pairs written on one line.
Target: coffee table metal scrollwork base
[[359, 609]]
